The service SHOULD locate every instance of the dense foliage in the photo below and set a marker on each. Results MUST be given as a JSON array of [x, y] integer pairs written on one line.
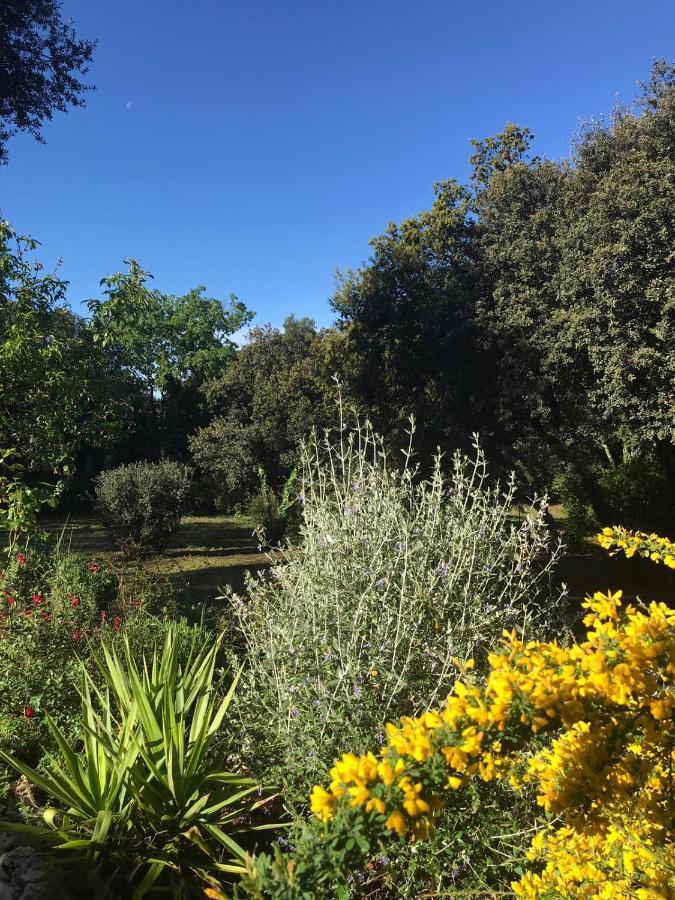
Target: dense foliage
[[263, 405], [393, 579], [146, 795], [142, 504], [605, 704], [41, 60]]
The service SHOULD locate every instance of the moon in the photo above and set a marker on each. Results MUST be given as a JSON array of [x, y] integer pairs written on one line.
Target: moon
[[129, 104]]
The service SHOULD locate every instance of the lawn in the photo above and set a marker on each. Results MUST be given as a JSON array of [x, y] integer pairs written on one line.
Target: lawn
[[206, 555], [211, 552]]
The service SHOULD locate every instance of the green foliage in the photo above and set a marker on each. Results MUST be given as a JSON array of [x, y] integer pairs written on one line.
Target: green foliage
[[579, 295], [637, 492], [41, 61], [59, 390], [580, 520], [52, 606], [20, 502], [146, 797], [142, 504], [171, 346], [265, 402], [394, 578], [165, 338], [469, 853], [411, 334], [272, 513]]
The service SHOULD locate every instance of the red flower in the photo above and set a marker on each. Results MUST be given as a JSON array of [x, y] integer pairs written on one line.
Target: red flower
[[29, 712], [76, 635], [11, 600], [103, 615], [117, 622], [94, 567], [44, 615], [74, 601], [37, 599], [21, 559]]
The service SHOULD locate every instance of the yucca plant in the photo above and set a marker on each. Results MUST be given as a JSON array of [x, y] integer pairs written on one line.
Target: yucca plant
[[147, 794]]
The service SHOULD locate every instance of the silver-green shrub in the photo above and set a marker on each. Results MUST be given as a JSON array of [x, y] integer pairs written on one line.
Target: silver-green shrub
[[395, 576]]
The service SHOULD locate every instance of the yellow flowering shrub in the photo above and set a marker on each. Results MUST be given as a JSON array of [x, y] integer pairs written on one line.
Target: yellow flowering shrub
[[605, 778], [638, 543]]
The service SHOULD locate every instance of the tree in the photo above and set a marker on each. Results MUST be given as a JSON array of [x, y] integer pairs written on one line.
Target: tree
[[578, 301], [58, 389], [40, 61], [171, 346], [410, 326], [279, 386]]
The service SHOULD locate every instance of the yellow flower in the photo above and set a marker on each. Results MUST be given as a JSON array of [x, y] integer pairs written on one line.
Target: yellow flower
[[322, 803], [396, 822]]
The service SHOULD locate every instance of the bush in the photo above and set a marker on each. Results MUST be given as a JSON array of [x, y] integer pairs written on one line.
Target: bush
[[395, 577], [586, 727], [273, 514], [636, 492], [142, 503], [55, 609], [51, 605], [147, 799], [580, 520]]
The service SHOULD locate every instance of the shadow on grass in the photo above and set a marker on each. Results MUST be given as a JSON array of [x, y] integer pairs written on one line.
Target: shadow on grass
[[207, 555], [594, 570]]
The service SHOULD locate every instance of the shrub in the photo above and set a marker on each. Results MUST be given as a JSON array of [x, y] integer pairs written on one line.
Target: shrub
[[588, 726], [142, 503], [580, 520], [51, 605], [147, 800], [395, 577], [273, 514], [56, 608]]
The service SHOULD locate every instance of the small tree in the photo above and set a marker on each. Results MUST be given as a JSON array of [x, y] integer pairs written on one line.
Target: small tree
[[142, 504]]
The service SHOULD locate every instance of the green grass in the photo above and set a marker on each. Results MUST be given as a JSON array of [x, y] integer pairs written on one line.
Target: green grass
[[206, 555], [211, 552]]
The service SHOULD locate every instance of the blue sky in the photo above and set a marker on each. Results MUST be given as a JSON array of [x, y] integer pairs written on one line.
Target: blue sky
[[255, 147]]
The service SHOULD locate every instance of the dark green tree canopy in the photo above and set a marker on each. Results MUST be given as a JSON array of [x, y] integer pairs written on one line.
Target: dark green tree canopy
[[410, 325], [279, 387], [41, 60]]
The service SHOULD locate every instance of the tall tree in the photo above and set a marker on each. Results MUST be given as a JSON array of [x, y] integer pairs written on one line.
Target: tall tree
[[41, 60], [409, 320], [59, 391], [278, 388], [172, 346], [579, 286]]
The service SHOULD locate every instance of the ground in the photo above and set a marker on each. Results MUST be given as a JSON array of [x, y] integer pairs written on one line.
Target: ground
[[206, 555], [211, 552]]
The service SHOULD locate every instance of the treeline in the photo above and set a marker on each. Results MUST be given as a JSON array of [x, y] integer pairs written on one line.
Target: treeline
[[534, 305]]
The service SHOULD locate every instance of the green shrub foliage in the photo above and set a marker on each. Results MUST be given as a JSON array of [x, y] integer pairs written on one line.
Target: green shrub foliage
[[142, 503]]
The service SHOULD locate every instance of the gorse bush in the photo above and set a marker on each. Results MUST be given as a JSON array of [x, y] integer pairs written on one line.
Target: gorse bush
[[142, 503], [394, 578], [588, 726]]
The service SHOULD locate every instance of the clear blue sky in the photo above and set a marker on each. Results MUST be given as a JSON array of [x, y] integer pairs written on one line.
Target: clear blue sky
[[254, 147]]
